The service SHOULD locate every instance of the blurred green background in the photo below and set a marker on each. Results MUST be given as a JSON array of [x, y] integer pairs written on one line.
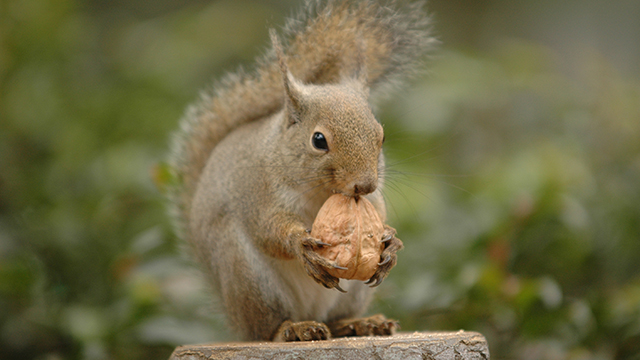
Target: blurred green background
[[514, 181]]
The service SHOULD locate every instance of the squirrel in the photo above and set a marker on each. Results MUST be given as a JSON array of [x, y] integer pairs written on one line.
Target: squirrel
[[256, 157]]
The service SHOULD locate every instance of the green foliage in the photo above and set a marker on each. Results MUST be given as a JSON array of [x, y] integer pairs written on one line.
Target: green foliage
[[513, 185], [525, 227]]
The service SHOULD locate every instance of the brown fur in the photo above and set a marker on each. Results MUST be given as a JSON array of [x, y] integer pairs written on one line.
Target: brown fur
[[250, 182]]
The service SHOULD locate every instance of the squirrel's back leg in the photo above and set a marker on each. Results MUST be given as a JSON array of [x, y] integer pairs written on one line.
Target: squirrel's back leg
[[254, 300], [258, 304], [345, 318], [373, 325], [302, 331], [348, 305]]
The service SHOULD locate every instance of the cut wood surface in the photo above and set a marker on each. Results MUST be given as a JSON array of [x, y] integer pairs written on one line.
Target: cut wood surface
[[417, 345]]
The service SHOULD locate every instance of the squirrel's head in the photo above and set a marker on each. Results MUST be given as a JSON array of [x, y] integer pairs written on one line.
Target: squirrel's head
[[333, 124], [344, 140]]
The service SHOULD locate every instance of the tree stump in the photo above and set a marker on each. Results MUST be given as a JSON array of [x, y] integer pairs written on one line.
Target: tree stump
[[419, 345]]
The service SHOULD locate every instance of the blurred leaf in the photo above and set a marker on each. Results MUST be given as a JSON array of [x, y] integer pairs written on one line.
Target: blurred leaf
[[512, 177]]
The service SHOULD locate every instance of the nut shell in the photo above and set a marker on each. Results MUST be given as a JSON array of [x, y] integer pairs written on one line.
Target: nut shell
[[354, 230]]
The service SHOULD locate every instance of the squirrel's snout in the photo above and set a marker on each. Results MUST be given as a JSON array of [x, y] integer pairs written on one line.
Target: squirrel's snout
[[364, 187]]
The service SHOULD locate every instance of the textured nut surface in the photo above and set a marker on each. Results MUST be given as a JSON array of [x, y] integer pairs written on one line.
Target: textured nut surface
[[354, 229]]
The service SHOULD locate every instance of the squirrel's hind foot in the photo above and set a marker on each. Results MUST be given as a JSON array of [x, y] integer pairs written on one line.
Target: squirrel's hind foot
[[302, 331], [373, 325]]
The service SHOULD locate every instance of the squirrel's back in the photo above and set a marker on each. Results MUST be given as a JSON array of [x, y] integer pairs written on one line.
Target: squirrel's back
[[326, 41]]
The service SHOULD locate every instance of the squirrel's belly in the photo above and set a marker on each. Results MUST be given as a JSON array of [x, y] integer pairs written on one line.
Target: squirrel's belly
[[310, 300]]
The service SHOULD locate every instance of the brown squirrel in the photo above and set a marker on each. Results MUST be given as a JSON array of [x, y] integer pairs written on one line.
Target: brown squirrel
[[256, 158]]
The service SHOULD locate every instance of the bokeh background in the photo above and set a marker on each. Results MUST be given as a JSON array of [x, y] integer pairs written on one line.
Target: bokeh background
[[514, 175]]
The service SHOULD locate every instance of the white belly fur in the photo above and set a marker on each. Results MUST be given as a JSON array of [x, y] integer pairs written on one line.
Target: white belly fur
[[311, 301]]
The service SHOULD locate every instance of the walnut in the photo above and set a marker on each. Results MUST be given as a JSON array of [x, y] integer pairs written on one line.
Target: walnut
[[354, 230]]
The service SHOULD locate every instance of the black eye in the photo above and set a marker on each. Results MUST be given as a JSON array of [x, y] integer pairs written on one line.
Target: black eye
[[319, 141]]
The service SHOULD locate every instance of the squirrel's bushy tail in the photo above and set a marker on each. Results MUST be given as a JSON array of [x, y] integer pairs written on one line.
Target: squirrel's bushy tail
[[328, 39]]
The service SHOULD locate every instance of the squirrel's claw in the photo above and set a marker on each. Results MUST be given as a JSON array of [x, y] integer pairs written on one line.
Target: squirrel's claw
[[315, 243], [337, 286], [373, 325], [316, 265], [388, 258], [388, 234], [302, 331]]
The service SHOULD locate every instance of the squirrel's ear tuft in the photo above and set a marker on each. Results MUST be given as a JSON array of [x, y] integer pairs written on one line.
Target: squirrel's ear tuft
[[293, 95]]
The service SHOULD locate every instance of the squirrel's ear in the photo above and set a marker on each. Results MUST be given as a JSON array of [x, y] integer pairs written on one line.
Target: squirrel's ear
[[293, 95]]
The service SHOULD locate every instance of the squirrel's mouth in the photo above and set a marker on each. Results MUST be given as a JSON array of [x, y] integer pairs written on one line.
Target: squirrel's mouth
[[354, 186], [355, 196]]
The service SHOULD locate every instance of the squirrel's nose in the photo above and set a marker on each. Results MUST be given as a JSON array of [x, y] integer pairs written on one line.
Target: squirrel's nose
[[365, 187]]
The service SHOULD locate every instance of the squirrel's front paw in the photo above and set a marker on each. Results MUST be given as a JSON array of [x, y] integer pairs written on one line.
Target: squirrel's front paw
[[316, 265], [388, 258]]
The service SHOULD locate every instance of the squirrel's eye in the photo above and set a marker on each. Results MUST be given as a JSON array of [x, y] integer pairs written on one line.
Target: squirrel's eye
[[319, 141]]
